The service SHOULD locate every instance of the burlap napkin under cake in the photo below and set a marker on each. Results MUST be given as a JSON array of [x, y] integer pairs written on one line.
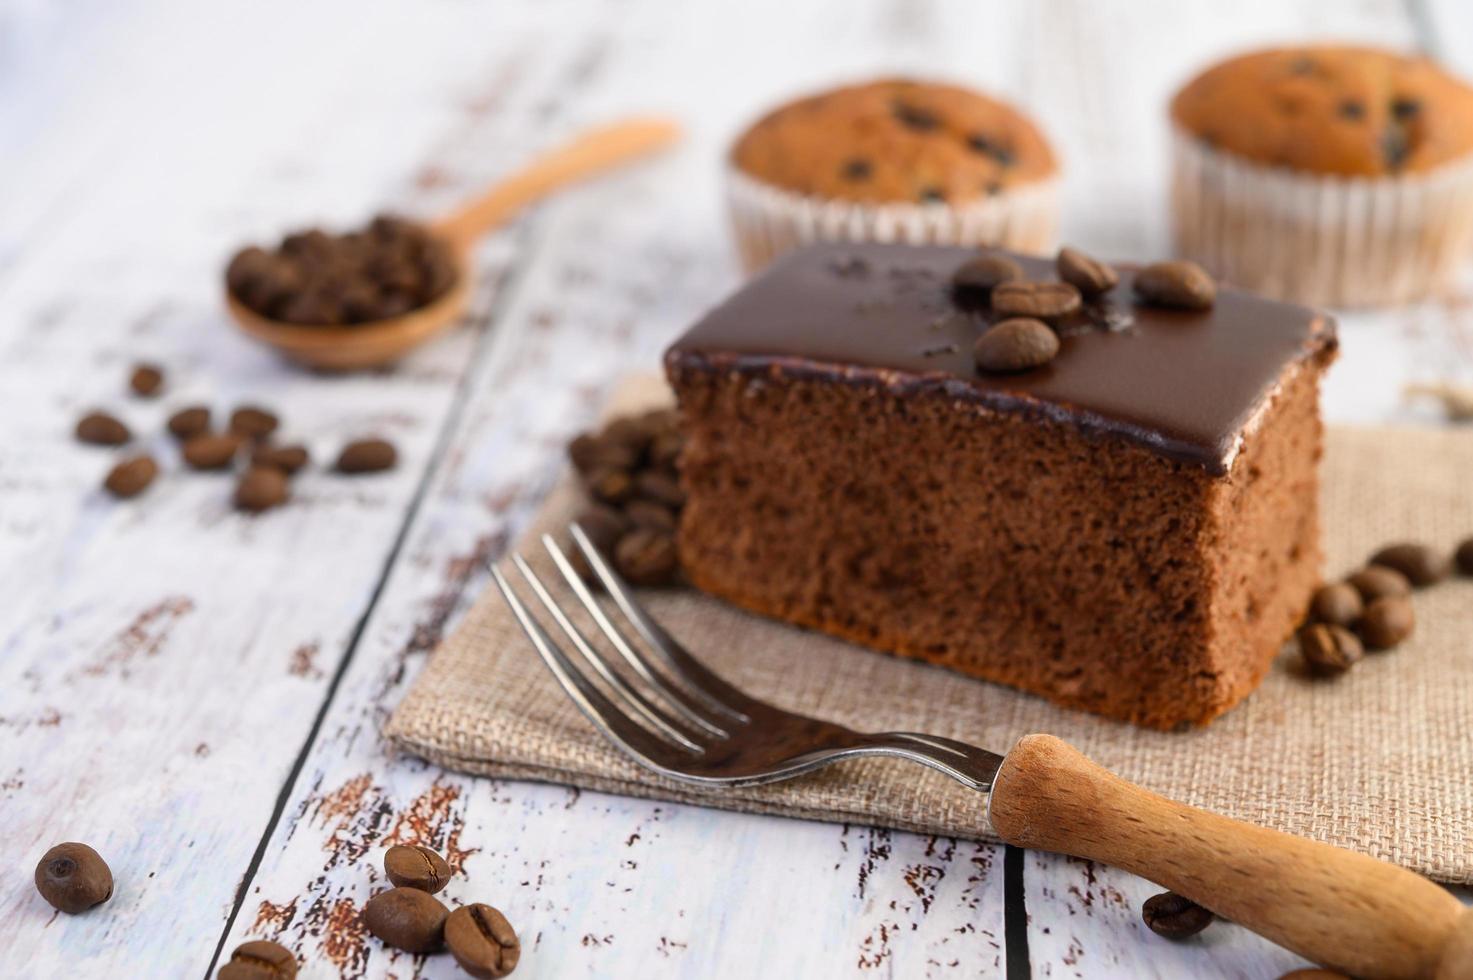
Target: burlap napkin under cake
[[1380, 760]]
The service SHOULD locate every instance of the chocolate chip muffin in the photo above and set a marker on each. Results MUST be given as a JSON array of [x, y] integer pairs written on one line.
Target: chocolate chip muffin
[[1329, 175], [892, 160]]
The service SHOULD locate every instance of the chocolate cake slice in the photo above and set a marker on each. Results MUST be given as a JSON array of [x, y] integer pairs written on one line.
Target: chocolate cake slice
[[1130, 529]]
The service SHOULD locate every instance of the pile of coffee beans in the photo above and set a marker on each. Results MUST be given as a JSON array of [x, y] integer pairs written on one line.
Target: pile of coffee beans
[[1026, 314], [1174, 917], [409, 917], [1372, 609], [244, 443], [317, 279], [629, 468]]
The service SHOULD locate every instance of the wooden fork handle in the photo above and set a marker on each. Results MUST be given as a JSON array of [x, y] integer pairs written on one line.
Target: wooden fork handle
[[594, 152], [1345, 910]]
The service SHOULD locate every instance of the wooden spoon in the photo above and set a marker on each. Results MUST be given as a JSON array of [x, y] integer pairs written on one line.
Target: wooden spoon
[[379, 342]]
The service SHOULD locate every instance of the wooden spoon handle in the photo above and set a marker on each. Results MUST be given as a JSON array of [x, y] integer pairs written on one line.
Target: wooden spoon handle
[[592, 153], [1350, 912]]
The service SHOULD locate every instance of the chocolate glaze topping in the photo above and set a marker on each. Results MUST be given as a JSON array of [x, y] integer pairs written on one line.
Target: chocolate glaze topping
[[1183, 384]]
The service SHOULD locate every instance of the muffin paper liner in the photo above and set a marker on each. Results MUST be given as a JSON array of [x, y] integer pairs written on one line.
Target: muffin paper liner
[[1321, 240], [769, 220]]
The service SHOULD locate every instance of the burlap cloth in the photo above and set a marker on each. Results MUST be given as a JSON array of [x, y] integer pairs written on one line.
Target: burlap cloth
[[1380, 760]]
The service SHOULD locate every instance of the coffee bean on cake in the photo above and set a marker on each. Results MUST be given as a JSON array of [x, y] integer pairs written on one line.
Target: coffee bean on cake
[[102, 429], [189, 422], [1328, 649], [260, 489], [1463, 557], [211, 452], [1421, 565], [1377, 582], [416, 866], [1174, 917], [1088, 275], [1016, 344], [482, 941], [367, 456], [288, 459], [73, 878], [146, 380], [253, 422], [1183, 285], [977, 278], [131, 476], [1387, 622], [407, 919], [646, 557], [259, 959], [1051, 301], [1339, 603]]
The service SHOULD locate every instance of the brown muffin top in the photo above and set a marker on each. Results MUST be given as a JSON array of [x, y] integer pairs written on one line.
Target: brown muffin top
[[895, 140], [1331, 110]]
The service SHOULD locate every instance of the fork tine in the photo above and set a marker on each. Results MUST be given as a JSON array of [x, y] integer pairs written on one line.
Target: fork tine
[[631, 699], [698, 677], [616, 726], [693, 710]]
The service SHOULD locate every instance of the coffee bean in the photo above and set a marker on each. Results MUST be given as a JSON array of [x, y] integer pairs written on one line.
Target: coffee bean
[[647, 513], [646, 557], [1328, 649], [131, 477], [1016, 344], [634, 432], [211, 452], [666, 448], [251, 422], [1050, 301], [980, 276], [259, 959], [147, 380], [367, 456], [1313, 973], [1174, 917], [102, 429], [73, 878], [288, 459], [1421, 565], [1376, 582], [659, 487], [482, 941], [1183, 285], [1090, 276], [1339, 604], [189, 422], [1463, 557], [610, 485], [604, 526], [260, 489], [416, 867], [1387, 622], [591, 452], [407, 919]]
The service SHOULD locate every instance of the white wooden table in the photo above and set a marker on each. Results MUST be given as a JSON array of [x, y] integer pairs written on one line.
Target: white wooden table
[[199, 694]]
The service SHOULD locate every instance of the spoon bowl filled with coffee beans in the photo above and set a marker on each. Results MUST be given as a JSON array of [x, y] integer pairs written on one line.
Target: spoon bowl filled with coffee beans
[[366, 298]]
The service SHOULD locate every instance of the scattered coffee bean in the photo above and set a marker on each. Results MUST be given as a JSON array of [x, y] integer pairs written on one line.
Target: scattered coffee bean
[[1463, 557], [288, 459], [1420, 564], [416, 866], [1090, 276], [147, 380], [648, 513], [367, 456], [1183, 285], [482, 941], [189, 422], [260, 489], [131, 477], [659, 487], [407, 919], [1339, 604], [1387, 622], [211, 452], [73, 878], [1015, 344], [1174, 917], [646, 557], [1377, 582], [610, 485], [250, 422], [102, 429], [1329, 649], [259, 959], [976, 278], [1049, 301]]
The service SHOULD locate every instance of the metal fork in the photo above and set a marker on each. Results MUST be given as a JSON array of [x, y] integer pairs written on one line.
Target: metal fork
[[676, 717]]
